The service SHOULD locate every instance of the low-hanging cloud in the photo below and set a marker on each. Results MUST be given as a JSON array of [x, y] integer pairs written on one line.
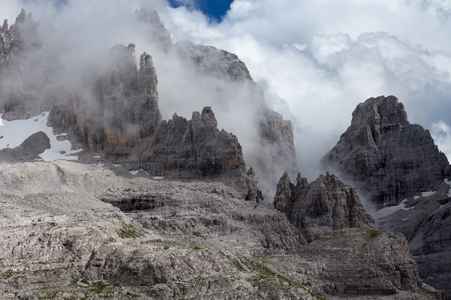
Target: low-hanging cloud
[[314, 64], [317, 64]]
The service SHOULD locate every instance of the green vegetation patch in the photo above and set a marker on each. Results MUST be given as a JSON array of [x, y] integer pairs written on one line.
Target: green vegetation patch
[[374, 233], [267, 275], [129, 231]]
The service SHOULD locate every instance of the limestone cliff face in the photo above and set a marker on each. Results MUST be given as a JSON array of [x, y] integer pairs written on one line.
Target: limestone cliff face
[[274, 150], [217, 62], [325, 205], [426, 223], [156, 30], [120, 108], [115, 107], [385, 156], [20, 82], [123, 122]]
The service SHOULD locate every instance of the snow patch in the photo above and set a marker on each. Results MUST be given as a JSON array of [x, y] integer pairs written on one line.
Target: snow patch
[[427, 194], [117, 166], [16, 132], [448, 182], [390, 210], [158, 177], [136, 172]]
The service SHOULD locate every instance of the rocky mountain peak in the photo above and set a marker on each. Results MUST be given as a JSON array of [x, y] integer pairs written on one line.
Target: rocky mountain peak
[[380, 111], [156, 29], [325, 205], [145, 61], [385, 156], [5, 26]]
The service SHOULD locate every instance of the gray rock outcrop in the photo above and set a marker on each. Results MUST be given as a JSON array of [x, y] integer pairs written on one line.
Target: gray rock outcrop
[[29, 150], [273, 151], [384, 156], [115, 107], [155, 29], [195, 240], [426, 223], [323, 206]]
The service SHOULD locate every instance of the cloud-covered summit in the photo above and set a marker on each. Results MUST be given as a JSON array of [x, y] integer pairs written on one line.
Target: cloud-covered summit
[[316, 60], [319, 59]]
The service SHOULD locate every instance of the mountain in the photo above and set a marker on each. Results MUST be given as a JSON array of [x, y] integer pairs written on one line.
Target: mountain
[[387, 158], [169, 209], [397, 166]]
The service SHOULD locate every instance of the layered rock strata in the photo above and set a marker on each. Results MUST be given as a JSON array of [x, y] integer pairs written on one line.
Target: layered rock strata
[[426, 222], [323, 206], [387, 158], [393, 162], [198, 240]]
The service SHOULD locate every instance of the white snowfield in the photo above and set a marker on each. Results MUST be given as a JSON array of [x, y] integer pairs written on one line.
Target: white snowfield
[[14, 133], [390, 210], [448, 183]]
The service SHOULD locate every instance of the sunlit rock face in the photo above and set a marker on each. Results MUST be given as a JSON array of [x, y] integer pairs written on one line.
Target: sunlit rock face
[[323, 206], [385, 156]]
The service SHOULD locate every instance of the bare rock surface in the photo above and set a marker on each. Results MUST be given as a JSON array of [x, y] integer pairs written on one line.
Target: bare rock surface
[[362, 263], [323, 206], [28, 150], [156, 30], [393, 162], [426, 222], [387, 158], [112, 105], [125, 125], [199, 241]]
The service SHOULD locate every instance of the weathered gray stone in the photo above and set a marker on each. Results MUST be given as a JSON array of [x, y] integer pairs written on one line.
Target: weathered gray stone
[[387, 158], [27, 151], [426, 223], [273, 151], [212, 61], [200, 241], [155, 29], [325, 205], [392, 161]]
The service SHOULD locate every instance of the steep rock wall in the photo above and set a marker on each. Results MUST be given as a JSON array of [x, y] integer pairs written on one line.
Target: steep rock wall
[[385, 156]]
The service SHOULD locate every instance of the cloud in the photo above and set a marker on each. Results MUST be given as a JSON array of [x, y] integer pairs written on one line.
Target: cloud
[[441, 132], [314, 64], [317, 64]]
